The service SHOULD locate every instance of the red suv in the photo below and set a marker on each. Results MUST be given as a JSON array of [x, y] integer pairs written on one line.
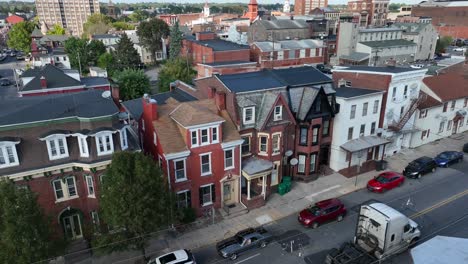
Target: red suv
[[321, 212]]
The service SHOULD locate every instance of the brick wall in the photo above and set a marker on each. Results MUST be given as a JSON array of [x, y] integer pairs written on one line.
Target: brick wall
[[443, 15]]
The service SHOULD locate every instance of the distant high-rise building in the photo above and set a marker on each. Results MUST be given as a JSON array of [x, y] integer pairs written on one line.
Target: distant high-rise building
[[303, 7], [370, 12], [70, 14], [286, 7]]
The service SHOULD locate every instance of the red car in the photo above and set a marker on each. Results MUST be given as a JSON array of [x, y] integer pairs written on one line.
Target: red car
[[385, 181], [321, 212]]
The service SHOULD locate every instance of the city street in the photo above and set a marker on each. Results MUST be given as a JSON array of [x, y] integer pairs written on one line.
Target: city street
[[438, 202], [7, 68]]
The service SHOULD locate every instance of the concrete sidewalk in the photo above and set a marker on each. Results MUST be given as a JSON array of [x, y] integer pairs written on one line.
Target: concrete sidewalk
[[277, 207]]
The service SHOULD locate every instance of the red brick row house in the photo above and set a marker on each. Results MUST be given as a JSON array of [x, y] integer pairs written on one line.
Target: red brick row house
[[59, 146], [197, 146], [277, 112]]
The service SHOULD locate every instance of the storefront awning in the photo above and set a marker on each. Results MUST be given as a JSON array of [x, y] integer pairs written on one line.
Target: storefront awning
[[364, 143]]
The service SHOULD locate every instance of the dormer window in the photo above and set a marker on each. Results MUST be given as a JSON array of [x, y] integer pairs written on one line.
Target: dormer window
[[194, 136], [104, 143], [124, 139], [204, 137], [83, 146], [249, 115], [278, 113], [8, 155], [214, 135], [57, 147]]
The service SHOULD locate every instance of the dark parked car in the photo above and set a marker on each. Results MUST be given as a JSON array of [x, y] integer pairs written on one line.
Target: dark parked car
[[465, 148], [322, 212], [385, 181], [243, 241], [420, 166], [5, 82], [446, 158]]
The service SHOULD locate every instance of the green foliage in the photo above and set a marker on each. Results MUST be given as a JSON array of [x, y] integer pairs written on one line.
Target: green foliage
[[19, 36], [175, 69], [176, 41], [95, 49], [139, 15], [56, 30], [132, 83], [107, 61], [24, 232], [443, 43], [393, 7], [135, 197], [97, 24], [151, 34], [126, 56], [77, 50], [188, 215], [121, 25]]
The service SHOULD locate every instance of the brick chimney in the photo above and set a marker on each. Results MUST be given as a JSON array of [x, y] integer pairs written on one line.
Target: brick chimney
[[115, 90], [150, 107], [221, 100], [43, 82]]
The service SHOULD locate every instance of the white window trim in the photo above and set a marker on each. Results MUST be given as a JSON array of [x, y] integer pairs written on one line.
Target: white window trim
[[249, 135], [103, 136], [217, 134], [3, 147], [276, 151], [155, 138], [66, 194], [201, 164], [233, 159], [259, 135], [186, 202], [196, 137], [299, 163], [84, 146], [278, 117], [244, 110], [56, 140], [123, 138], [175, 170], [93, 195], [211, 193], [207, 137]]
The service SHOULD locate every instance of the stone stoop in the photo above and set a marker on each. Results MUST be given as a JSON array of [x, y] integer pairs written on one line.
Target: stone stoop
[[233, 211], [78, 251]]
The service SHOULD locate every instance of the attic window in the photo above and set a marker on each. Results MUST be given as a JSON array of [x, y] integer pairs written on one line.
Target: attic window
[[344, 83]]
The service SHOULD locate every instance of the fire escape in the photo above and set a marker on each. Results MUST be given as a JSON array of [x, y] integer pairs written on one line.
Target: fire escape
[[397, 126]]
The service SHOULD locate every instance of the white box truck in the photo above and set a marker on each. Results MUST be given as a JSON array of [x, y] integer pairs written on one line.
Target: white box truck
[[381, 232]]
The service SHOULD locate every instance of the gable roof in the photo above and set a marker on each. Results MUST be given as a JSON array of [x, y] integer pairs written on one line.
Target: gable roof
[[283, 24], [196, 113], [54, 76], [273, 79], [451, 83], [36, 33], [135, 106], [428, 102], [302, 99], [87, 104]]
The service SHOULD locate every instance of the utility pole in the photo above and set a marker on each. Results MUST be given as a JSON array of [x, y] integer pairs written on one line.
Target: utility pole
[[79, 62]]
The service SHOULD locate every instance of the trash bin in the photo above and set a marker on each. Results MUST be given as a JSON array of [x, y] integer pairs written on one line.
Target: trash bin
[[384, 164], [281, 189], [286, 179], [381, 165]]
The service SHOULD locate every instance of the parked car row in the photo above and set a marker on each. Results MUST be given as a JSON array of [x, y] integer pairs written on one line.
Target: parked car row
[[325, 211]]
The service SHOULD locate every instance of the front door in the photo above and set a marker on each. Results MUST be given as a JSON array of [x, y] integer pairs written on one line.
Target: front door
[[227, 190], [72, 226], [324, 153], [455, 127]]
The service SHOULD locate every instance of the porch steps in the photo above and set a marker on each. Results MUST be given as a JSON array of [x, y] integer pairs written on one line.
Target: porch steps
[[233, 211], [78, 251]]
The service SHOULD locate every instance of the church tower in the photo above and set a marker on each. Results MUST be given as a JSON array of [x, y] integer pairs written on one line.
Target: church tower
[[286, 7], [206, 10], [111, 10], [253, 10]]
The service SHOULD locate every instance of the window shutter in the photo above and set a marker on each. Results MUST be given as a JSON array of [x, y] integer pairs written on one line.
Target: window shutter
[[200, 194], [213, 193], [189, 199]]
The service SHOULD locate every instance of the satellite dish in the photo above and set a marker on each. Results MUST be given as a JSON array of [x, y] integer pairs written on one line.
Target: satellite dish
[[106, 94], [288, 153], [294, 161]]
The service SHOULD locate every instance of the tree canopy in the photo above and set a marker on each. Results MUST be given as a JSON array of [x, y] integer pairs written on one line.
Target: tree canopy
[[56, 30], [126, 56], [121, 25], [95, 49], [24, 232], [132, 83], [176, 41], [82, 53], [151, 34], [97, 24], [107, 61], [135, 197], [443, 43], [19, 36], [175, 69]]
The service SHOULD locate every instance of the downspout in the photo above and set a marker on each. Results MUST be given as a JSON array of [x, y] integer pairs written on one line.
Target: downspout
[[168, 174], [240, 178]]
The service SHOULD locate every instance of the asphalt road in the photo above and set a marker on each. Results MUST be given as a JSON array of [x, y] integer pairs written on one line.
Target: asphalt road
[[7, 71], [438, 202]]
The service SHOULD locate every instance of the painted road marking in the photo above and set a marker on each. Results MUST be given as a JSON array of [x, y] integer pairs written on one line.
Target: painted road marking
[[251, 257], [439, 204], [309, 197]]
